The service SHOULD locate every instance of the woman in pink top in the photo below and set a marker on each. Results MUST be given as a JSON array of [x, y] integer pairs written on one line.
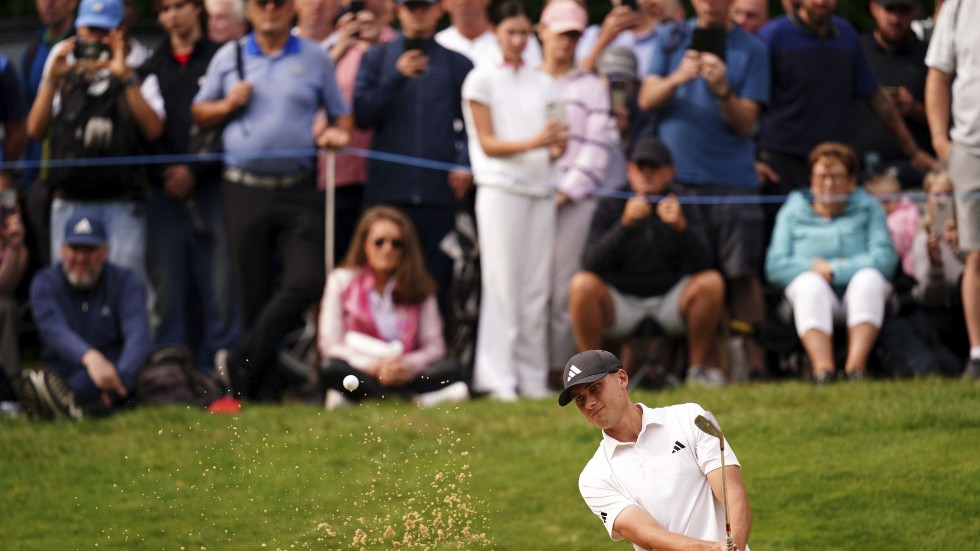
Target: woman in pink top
[[379, 320]]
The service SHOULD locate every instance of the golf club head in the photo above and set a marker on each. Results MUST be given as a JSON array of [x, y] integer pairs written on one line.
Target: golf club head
[[709, 424]]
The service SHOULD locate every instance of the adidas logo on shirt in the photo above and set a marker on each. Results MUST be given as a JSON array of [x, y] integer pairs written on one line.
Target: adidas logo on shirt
[[677, 446], [572, 372]]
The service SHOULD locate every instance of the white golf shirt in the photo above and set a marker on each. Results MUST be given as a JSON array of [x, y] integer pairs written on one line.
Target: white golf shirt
[[663, 473]]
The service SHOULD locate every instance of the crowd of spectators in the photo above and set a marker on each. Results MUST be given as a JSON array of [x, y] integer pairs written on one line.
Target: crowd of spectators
[[701, 172]]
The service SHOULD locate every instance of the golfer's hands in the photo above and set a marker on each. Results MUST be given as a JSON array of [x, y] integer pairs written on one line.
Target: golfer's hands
[[394, 371], [637, 208], [670, 212], [104, 375]]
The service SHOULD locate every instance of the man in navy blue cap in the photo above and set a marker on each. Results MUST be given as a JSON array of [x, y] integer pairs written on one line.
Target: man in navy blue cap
[[656, 479], [409, 91], [92, 320]]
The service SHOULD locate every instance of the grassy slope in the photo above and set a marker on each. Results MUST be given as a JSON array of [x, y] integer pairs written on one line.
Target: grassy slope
[[875, 466]]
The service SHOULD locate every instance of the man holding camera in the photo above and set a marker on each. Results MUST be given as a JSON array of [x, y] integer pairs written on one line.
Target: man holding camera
[[92, 104], [709, 88], [408, 91], [649, 258]]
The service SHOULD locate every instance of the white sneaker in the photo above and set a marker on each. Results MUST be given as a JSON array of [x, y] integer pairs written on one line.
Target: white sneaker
[[456, 392], [336, 400]]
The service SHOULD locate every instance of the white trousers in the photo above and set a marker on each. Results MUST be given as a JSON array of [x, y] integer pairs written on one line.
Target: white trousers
[[816, 306], [516, 241], [571, 233]]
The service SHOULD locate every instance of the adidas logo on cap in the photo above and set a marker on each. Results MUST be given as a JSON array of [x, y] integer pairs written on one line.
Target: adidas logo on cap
[[83, 227], [572, 372]]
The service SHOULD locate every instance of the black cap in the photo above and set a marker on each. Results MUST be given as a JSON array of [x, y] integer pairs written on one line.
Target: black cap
[[587, 367], [653, 151]]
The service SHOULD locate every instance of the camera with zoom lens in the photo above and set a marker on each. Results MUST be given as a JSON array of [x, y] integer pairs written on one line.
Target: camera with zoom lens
[[91, 50]]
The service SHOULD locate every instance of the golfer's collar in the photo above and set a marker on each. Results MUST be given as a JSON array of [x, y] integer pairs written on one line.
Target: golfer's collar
[[650, 417]]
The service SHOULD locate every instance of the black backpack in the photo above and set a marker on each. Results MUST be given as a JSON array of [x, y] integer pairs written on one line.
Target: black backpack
[[171, 377], [94, 121]]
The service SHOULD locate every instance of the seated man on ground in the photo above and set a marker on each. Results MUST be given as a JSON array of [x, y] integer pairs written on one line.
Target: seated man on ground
[[379, 320], [92, 320], [650, 258]]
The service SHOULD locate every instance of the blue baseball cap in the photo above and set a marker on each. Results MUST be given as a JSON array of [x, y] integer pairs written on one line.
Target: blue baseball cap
[[101, 14], [85, 229]]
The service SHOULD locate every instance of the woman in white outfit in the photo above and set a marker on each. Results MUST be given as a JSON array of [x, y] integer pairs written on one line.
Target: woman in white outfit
[[512, 147]]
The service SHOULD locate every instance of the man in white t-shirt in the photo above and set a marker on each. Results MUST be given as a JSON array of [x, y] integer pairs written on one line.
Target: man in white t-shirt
[[471, 34], [656, 478]]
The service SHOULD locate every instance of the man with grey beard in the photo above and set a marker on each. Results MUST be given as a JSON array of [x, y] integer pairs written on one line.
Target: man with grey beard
[[92, 320]]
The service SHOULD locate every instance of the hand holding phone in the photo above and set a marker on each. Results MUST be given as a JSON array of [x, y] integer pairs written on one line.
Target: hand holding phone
[[710, 40], [941, 216], [618, 90], [556, 111], [8, 203]]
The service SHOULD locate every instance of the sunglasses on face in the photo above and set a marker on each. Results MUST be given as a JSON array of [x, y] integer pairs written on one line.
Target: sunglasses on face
[[277, 3], [395, 243]]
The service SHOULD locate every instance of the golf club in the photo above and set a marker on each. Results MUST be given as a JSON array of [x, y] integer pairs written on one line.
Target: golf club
[[709, 424]]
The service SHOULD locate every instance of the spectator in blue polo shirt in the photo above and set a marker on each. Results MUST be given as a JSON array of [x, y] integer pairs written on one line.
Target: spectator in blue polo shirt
[[271, 201], [818, 68], [709, 104]]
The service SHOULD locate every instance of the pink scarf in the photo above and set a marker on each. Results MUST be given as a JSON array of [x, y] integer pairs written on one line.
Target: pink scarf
[[356, 308]]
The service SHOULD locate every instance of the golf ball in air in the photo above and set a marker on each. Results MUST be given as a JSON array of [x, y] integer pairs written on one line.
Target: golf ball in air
[[351, 382]]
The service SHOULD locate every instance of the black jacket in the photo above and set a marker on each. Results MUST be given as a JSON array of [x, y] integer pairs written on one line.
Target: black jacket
[[648, 258]]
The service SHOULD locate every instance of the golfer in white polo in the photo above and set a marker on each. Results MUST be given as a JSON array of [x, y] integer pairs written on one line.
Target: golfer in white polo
[[656, 478]]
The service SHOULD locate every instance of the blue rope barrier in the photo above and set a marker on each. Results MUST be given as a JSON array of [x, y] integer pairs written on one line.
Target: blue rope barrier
[[191, 158]]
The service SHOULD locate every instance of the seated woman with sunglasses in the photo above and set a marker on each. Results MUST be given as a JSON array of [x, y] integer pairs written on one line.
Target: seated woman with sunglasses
[[379, 320]]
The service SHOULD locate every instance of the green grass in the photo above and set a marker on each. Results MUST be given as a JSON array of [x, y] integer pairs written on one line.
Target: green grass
[[874, 466]]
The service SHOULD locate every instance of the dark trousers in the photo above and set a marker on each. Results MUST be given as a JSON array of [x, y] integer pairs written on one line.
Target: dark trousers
[[270, 228], [438, 375], [349, 202]]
